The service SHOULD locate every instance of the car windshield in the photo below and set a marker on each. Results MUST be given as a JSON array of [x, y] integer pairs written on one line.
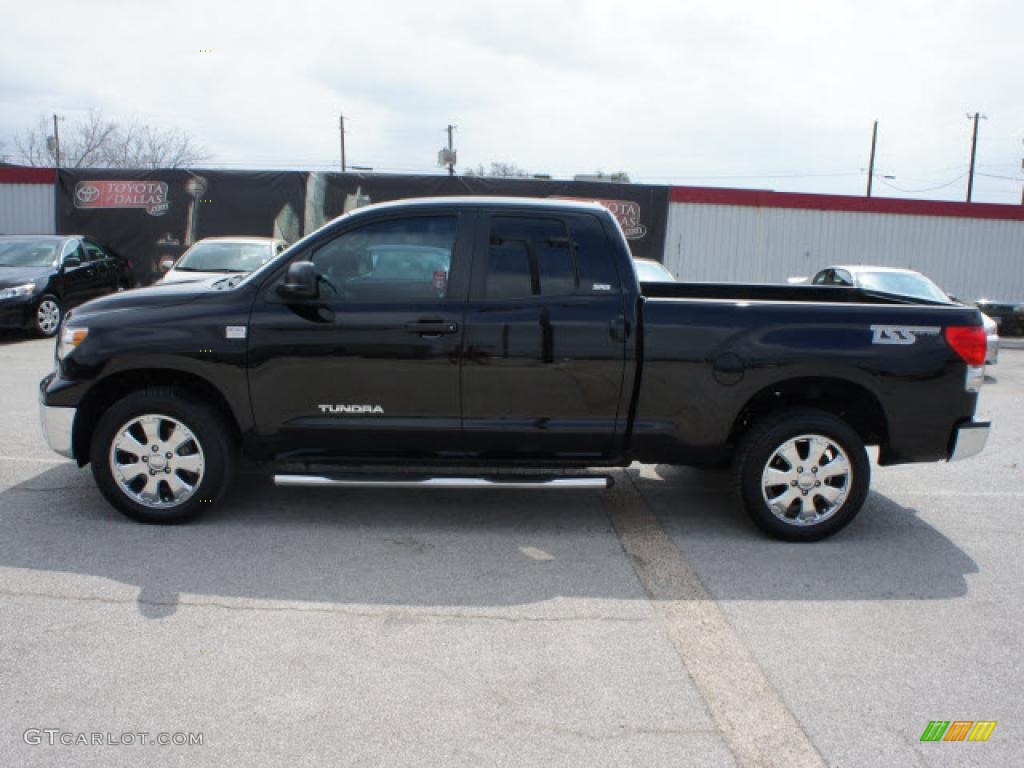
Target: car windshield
[[406, 262], [27, 253], [652, 272], [224, 257], [903, 284]]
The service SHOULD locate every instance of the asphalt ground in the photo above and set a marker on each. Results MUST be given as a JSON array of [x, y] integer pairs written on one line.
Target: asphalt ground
[[647, 625]]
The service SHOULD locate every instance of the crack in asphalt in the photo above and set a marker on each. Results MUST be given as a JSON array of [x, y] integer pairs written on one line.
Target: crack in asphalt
[[382, 614]]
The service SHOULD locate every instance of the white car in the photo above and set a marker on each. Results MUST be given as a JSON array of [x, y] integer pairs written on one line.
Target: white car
[[213, 256], [651, 271], [903, 282]]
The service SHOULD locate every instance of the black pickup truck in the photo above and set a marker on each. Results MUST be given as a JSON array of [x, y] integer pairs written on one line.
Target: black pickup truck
[[467, 342]]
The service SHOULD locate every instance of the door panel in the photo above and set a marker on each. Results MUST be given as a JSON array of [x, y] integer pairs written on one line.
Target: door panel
[[105, 266], [542, 373], [76, 281], [371, 369]]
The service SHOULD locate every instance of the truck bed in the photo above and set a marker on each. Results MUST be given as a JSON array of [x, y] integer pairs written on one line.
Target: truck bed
[[827, 294]]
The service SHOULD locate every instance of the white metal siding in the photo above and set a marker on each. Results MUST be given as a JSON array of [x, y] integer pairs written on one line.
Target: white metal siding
[[26, 209], [970, 258]]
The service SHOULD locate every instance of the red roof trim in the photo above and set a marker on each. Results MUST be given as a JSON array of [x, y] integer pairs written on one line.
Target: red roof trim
[[759, 198], [15, 175]]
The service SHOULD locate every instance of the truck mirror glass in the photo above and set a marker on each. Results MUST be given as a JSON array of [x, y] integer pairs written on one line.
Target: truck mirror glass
[[300, 281]]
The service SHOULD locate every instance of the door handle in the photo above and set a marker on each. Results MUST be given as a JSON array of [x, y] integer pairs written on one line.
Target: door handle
[[618, 328], [432, 327]]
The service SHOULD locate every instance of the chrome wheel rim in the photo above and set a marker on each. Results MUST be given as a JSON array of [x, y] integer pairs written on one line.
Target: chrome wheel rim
[[806, 480], [157, 461], [48, 316]]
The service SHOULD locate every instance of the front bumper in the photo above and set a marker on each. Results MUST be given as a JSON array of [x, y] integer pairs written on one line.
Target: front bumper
[[57, 424], [16, 314], [969, 439]]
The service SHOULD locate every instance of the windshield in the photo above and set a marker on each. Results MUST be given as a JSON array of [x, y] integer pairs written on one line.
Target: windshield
[[902, 283], [652, 272], [27, 253], [409, 262], [224, 257]]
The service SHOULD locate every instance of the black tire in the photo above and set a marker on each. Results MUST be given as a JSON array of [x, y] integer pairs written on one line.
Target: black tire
[[38, 327], [212, 435], [759, 446]]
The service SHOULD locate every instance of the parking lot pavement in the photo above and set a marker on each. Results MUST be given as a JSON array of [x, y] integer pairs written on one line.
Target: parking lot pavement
[[301, 627]]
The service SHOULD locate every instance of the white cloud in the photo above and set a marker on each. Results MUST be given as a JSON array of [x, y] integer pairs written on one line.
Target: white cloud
[[665, 90]]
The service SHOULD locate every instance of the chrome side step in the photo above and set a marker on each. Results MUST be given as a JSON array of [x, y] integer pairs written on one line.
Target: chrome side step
[[419, 481]]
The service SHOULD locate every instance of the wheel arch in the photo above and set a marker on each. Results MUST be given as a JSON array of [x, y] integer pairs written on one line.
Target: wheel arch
[[116, 386], [848, 400]]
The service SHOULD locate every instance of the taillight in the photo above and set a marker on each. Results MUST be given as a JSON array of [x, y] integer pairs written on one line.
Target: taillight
[[968, 341]]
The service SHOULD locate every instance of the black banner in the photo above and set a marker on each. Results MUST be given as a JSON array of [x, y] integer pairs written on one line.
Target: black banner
[[147, 215]]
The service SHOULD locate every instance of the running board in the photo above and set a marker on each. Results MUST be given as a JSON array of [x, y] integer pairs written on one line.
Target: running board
[[419, 481]]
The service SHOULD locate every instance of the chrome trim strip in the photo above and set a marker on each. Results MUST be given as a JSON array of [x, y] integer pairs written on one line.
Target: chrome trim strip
[[57, 424], [439, 482], [970, 440]]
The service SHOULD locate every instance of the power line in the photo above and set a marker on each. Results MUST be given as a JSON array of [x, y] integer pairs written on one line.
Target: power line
[[997, 176], [926, 189]]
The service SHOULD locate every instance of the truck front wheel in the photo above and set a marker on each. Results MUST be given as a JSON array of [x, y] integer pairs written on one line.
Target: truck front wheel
[[802, 474], [161, 458]]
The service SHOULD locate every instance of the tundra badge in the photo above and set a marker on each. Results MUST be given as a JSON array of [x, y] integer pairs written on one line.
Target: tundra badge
[[350, 408]]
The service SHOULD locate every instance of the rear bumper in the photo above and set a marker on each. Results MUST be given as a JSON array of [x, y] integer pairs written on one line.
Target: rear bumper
[[992, 349], [969, 439], [57, 424]]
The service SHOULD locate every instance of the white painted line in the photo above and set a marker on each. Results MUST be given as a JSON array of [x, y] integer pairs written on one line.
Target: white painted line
[[963, 494], [750, 715], [536, 553], [35, 461]]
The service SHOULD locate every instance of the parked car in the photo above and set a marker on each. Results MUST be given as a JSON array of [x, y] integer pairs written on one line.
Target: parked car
[[904, 282], [1007, 314], [651, 271], [219, 255], [539, 351], [42, 276]]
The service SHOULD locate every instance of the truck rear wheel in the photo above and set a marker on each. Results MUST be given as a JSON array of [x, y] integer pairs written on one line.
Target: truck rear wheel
[[803, 474], [161, 458]]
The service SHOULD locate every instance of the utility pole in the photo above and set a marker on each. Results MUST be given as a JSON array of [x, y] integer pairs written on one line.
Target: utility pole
[[56, 143], [871, 162], [974, 150], [451, 151], [341, 132]]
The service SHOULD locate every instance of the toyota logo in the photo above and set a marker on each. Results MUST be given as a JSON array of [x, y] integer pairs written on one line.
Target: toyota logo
[[87, 193]]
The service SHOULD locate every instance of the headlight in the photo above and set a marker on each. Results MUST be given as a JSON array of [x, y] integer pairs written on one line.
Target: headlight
[[18, 292], [69, 339]]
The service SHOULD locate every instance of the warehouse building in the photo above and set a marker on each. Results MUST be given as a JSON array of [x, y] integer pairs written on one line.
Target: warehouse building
[[972, 250]]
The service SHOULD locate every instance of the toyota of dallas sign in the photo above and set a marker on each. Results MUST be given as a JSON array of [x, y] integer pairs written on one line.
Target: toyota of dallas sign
[[151, 195], [626, 212]]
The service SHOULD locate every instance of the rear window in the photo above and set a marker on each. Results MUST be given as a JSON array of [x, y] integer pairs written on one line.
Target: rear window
[[529, 257]]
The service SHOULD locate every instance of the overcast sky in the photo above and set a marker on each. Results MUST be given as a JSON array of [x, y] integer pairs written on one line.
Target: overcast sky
[[773, 95]]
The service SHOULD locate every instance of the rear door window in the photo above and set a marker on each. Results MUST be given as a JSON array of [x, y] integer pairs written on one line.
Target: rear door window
[[529, 257]]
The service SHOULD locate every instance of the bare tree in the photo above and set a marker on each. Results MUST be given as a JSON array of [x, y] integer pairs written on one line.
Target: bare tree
[[143, 146], [620, 177], [97, 142], [499, 169]]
